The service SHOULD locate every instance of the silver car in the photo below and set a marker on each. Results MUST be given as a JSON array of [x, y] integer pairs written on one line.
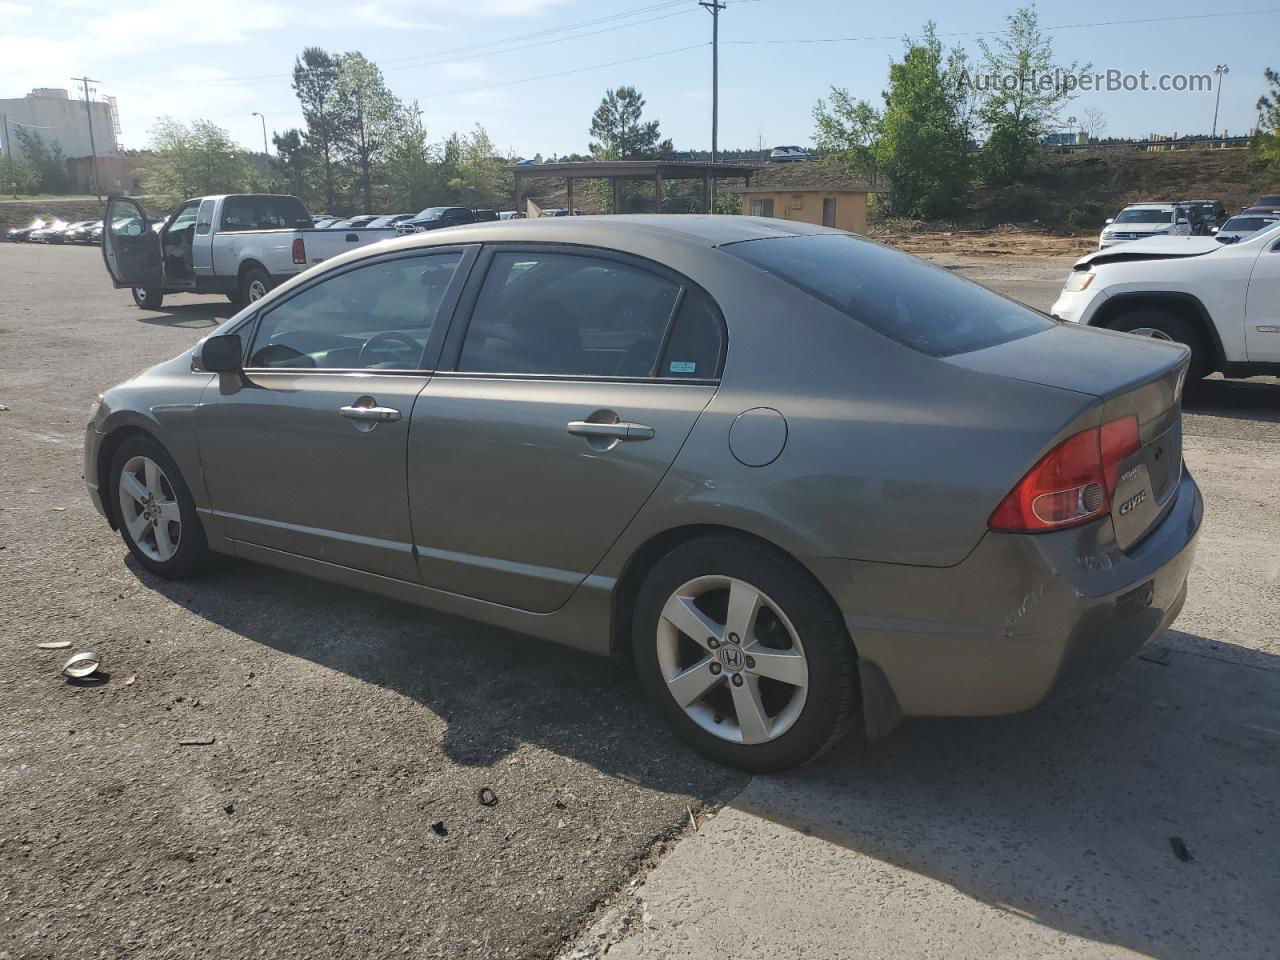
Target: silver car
[[804, 481]]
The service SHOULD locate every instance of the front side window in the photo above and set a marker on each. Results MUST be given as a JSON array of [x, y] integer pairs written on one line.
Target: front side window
[[922, 306], [556, 313], [376, 317], [185, 218]]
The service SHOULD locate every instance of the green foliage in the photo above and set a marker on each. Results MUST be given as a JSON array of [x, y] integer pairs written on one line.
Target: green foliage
[[44, 160], [294, 160], [190, 161], [848, 131], [410, 171], [1016, 112], [1266, 145], [17, 176], [371, 114], [478, 179], [619, 132]]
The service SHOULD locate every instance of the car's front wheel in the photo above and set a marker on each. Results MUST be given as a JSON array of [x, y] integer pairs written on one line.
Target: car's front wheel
[[156, 514], [148, 298], [744, 654], [1167, 325]]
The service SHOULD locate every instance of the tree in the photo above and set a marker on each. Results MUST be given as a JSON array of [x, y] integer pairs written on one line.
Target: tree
[[372, 112], [294, 160], [479, 179], [848, 132], [1024, 95], [315, 82], [412, 174], [1267, 143], [47, 162], [618, 131], [190, 161], [1093, 123], [17, 176]]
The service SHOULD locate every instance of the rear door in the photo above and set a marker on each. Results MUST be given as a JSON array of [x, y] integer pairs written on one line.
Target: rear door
[[202, 241], [574, 385], [130, 249]]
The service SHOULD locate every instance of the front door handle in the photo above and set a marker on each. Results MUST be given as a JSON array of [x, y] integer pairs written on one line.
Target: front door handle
[[367, 414], [620, 430]]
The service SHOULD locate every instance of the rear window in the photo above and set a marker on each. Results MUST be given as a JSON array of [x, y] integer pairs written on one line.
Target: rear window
[[1249, 223], [262, 213], [922, 306]]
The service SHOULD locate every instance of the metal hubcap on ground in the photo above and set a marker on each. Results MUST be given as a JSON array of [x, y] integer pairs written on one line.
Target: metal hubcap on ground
[[732, 660], [149, 508], [257, 290]]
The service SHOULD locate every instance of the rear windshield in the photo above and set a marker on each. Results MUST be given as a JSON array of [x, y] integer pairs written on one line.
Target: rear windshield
[[922, 306], [1145, 216], [262, 213], [1249, 223]]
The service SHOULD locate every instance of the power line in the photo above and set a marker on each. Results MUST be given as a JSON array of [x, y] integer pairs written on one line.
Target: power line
[[989, 33]]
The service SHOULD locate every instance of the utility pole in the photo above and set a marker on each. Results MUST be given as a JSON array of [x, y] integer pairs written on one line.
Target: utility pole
[[714, 7], [263, 118], [93, 149], [1221, 70]]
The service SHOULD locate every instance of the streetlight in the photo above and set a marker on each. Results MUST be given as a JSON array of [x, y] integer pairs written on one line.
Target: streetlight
[[264, 131], [1221, 70]]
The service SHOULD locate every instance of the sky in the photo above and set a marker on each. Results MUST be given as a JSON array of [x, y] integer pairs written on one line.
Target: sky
[[533, 71]]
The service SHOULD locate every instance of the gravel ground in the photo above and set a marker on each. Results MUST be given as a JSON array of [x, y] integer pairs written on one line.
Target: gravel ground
[[345, 726]]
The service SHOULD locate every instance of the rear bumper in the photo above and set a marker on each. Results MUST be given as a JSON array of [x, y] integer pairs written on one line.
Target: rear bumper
[[1023, 619]]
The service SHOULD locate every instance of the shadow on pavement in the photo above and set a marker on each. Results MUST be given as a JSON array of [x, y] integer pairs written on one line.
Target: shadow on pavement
[[1257, 399], [495, 690], [1067, 815], [192, 315]]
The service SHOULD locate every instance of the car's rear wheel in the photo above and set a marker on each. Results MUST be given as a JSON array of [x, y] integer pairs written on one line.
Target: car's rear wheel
[[254, 285], [744, 654], [1167, 325], [156, 515], [148, 298]]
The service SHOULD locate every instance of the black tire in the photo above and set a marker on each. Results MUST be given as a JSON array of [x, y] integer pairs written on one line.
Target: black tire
[[148, 298], [253, 285], [192, 556], [831, 701], [1177, 328]]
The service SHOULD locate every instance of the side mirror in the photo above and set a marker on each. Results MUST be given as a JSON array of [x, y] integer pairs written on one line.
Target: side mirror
[[1109, 221], [1213, 229], [222, 354]]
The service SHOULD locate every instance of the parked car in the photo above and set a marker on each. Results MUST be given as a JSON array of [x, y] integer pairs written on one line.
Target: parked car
[[1205, 215], [43, 234], [81, 232], [436, 218], [321, 222], [561, 212], [1222, 301], [1140, 220], [1266, 203], [23, 234], [788, 155], [1245, 224], [486, 216], [95, 233], [389, 221], [511, 215], [240, 245], [353, 223], [599, 433]]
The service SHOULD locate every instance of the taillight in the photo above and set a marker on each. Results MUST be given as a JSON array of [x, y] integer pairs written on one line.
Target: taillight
[[1072, 484], [299, 251]]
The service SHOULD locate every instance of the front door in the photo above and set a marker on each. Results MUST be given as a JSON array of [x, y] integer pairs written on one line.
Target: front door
[[309, 456], [1262, 307], [572, 392], [129, 247]]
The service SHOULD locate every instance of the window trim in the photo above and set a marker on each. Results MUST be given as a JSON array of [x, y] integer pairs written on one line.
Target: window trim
[[464, 312], [435, 340]]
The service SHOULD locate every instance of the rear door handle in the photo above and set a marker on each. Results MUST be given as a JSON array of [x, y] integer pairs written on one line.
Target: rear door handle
[[612, 431]]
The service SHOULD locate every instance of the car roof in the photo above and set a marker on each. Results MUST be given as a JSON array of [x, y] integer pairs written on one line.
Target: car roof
[[1151, 206]]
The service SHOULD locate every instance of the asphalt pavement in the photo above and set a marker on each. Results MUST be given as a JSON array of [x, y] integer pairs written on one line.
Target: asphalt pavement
[[336, 810]]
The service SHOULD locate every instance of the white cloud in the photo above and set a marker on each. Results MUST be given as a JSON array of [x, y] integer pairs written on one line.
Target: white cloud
[[14, 10]]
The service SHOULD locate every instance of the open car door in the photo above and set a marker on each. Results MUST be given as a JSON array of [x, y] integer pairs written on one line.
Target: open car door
[[130, 248]]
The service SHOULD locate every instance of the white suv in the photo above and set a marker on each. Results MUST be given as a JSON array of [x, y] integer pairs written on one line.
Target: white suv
[[1139, 221], [1220, 299]]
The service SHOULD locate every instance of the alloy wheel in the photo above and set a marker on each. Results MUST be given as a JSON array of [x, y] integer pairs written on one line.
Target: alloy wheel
[[257, 290], [149, 508], [732, 660]]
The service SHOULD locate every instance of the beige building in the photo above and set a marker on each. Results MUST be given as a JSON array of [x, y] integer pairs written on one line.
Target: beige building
[[809, 192]]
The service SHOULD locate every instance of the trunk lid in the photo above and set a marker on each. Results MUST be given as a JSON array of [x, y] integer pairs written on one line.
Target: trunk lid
[[1130, 376]]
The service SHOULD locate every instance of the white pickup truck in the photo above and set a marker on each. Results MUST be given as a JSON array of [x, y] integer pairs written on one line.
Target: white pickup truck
[[1220, 299], [240, 245]]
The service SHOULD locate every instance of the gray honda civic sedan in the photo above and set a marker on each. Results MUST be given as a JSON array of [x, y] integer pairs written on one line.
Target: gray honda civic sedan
[[806, 482]]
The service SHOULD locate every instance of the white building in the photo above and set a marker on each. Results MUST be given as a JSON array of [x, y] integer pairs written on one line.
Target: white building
[[60, 119]]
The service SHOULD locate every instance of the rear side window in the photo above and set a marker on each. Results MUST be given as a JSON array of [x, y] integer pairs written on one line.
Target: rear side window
[[922, 306], [566, 314], [261, 213], [696, 341]]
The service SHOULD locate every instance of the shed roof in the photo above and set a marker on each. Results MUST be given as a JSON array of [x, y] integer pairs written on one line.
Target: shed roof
[[806, 176], [669, 169]]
